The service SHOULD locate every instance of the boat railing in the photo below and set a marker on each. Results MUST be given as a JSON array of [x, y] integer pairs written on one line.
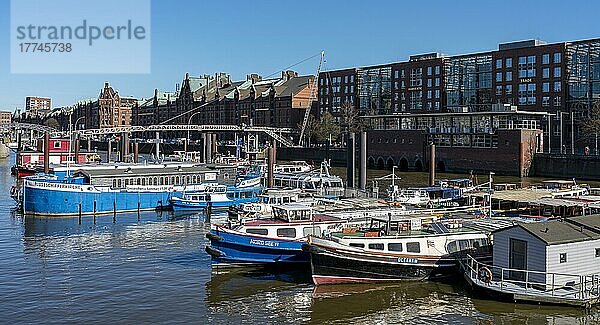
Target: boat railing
[[504, 279]]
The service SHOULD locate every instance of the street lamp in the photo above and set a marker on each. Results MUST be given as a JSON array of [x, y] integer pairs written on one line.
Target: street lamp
[[187, 140]]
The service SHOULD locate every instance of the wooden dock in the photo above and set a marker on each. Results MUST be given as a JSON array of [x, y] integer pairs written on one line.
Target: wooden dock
[[517, 285]]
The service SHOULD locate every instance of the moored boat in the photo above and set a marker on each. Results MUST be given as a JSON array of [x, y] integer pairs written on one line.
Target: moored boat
[[216, 196], [273, 241], [116, 188], [414, 248]]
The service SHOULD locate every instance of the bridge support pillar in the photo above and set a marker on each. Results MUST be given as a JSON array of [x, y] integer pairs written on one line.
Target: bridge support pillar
[[214, 144], [271, 166], [124, 147], [362, 180], [351, 163], [207, 148], [136, 152]]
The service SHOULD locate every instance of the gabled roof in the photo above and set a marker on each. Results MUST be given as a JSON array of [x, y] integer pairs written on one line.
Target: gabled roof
[[294, 85], [564, 230]]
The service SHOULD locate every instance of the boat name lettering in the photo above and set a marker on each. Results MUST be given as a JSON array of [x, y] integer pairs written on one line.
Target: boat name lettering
[[407, 260], [53, 185], [264, 242]]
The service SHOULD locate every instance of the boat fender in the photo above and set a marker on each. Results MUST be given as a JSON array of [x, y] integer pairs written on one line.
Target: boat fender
[[214, 252], [485, 275], [212, 236]]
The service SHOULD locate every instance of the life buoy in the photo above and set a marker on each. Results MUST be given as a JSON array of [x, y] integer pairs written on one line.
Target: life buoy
[[484, 275]]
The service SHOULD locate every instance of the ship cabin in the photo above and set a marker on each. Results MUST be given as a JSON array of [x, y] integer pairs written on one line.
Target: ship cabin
[[437, 193], [293, 167], [558, 184], [155, 175], [417, 234], [550, 255], [310, 182], [293, 212], [277, 196]]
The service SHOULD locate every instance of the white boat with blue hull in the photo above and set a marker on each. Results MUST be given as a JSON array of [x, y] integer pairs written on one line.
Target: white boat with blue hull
[[217, 197], [274, 241], [104, 191]]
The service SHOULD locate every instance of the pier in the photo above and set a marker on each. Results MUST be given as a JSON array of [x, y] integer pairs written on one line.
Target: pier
[[525, 286]]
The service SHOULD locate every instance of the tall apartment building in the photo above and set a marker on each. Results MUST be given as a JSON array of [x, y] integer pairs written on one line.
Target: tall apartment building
[[5, 119], [562, 79], [37, 106]]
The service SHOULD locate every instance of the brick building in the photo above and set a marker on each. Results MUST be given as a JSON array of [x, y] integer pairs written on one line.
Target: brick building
[[108, 110], [5, 119], [215, 99], [37, 106], [560, 79]]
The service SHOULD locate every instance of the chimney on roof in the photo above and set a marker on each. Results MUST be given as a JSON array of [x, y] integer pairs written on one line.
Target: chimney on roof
[[288, 74], [155, 92], [254, 77], [187, 76]]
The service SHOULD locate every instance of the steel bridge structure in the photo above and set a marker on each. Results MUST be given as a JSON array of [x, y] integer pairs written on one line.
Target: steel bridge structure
[[276, 133]]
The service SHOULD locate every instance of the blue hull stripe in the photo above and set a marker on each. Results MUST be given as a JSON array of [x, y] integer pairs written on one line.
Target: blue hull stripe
[[47, 202], [242, 248]]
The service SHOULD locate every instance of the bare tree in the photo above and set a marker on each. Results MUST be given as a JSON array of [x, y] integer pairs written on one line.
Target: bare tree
[[350, 118]]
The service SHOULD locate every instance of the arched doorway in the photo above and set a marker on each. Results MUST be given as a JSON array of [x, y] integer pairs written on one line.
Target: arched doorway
[[418, 165], [380, 163], [441, 166], [371, 162], [389, 164], [403, 165]]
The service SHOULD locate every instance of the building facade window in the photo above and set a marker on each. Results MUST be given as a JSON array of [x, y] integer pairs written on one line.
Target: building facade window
[[557, 57], [499, 90], [416, 77], [546, 58], [545, 87], [498, 76], [508, 62], [498, 63], [437, 69], [563, 258], [546, 73], [509, 89], [508, 76], [557, 101], [557, 72], [429, 71], [527, 66], [429, 82], [416, 100], [527, 94], [557, 86], [545, 101], [437, 82]]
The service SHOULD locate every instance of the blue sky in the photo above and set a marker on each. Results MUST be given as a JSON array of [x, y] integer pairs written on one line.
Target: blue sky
[[242, 37]]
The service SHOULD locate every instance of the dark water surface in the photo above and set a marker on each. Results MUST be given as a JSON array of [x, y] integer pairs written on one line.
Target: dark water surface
[[154, 270]]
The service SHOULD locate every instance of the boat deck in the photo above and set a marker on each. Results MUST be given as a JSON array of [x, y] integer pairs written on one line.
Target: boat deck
[[583, 291], [315, 218]]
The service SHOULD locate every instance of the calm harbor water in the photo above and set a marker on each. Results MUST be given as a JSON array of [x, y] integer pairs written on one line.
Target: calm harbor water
[[153, 269]]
